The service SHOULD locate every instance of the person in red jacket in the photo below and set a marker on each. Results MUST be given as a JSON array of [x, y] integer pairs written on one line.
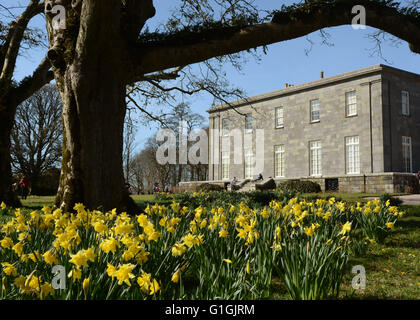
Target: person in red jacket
[[24, 187]]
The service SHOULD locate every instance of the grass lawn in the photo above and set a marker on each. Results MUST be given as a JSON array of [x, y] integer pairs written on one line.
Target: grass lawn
[[392, 268], [35, 202], [349, 197]]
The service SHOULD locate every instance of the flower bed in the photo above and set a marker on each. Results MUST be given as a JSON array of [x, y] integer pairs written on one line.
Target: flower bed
[[174, 252]]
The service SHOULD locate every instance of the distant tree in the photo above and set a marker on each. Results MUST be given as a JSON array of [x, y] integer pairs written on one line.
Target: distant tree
[[148, 171], [182, 113], [138, 174], [130, 131], [36, 139]]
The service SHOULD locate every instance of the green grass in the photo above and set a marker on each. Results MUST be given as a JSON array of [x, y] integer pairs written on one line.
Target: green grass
[[349, 197], [392, 268], [35, 202]]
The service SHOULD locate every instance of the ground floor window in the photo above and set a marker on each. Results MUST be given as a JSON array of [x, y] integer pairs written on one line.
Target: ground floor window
[[225, 165], [407, 154], [315, 155], [352, 155], [249, 163], [279, 161]]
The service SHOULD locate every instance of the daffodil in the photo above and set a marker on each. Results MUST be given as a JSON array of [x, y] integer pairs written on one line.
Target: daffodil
[[6, 243], [18, 248], [178, 249], [47, 290], [9, 269], [123, 274], [223, 233], [79, 259], [346, 228], [175, 276], [109, 245], [390, 225], [50, 258]]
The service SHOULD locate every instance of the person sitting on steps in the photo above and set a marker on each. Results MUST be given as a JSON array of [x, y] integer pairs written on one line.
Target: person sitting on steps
[[233, 184], [260, 177]]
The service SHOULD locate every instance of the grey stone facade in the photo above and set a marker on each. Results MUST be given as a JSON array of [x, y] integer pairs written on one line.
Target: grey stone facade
[[379, 126]]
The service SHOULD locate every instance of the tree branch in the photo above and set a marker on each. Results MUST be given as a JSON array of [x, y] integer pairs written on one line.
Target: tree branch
[[28, 86], [136, 13], [160, 76], [14, 38], [146, 112], [289, 23]]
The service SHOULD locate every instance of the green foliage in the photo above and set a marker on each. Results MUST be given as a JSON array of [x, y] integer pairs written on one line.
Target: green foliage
[[376, 220], [392, 201], [299, 186], [254, 199], [206, 187], [47, 184]]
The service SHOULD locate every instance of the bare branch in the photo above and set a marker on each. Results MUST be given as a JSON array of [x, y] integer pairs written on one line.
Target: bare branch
[[146, 112], [10, 48]]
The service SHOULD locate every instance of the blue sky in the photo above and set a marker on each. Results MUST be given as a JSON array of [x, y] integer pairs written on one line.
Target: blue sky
[[284, 62]]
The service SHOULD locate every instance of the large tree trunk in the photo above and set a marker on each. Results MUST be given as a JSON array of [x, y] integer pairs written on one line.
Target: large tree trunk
[[93, 118], [90, 72], [6, 124]]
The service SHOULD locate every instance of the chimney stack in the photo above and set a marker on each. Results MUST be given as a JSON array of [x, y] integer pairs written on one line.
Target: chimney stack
[[322, 74]]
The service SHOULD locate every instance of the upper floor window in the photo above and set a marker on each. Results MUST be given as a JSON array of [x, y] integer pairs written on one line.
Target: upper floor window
[[405, 103], [351, 104], [225, 127], [279, 117], [248, 121], [315, 115]]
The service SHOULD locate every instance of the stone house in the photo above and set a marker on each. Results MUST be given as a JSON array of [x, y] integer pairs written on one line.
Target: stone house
[[354, 132]]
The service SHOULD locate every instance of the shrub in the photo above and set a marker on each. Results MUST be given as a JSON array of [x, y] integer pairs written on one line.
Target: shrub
[[47, 183], [269, 185], [394, 202], [300, 186], [207, 187]]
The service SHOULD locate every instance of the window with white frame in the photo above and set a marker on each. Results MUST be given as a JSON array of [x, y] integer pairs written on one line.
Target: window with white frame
[[352, 155], [248, 122], [315, 114], [279, 161], [315, 157], [225, 127], [351, 104], [249, 163], [407, 154], [225, 165], [279, 118], [405, 103]]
